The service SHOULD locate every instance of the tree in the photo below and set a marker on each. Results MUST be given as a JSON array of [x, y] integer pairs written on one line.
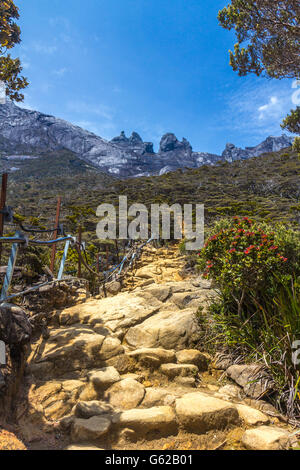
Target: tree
[[268, 40], [10, 69]]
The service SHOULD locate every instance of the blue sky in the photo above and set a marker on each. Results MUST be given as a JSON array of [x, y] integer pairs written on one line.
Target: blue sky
[[152, 66]]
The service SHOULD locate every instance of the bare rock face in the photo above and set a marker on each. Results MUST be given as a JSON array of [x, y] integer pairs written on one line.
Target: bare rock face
[[254, 379], [167, 329], [271, 144], [23, 130]]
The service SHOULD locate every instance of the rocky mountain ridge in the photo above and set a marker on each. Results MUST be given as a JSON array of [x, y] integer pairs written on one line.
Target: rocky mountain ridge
[[25, 131]]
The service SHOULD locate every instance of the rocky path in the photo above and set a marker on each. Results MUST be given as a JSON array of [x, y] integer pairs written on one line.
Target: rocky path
[[125, 372]]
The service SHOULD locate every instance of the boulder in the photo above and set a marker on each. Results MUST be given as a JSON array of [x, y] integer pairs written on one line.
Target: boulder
[[230, 392], [193, 356], [156, 397], [125, 394], [160, 419], [88, 409], [92, 429], [268, 438], [153, 357], [69, 349], [111, 347], [254, 379], [200, 413], [104, 378], [167, 329], [251, 416]]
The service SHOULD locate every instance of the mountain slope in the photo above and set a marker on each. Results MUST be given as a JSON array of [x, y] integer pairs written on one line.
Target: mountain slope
[[29, 132]]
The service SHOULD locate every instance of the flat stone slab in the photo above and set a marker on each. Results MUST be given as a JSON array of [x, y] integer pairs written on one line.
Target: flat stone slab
[[179, 370], [167, 329], [91, 429], [200, 413], [159, 418], [268, 438]]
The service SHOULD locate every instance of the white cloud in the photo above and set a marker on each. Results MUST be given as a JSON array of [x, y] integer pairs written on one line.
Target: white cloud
[[60, 72], [44, 48], [256, 109], [273, 108]]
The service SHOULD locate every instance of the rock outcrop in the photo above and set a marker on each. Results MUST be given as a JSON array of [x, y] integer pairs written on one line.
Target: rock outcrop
[[271, 144]]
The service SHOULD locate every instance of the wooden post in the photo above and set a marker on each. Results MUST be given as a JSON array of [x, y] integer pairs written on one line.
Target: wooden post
[[106, 257], [2, 205], [79, 257], [53, 254], [117, 251]]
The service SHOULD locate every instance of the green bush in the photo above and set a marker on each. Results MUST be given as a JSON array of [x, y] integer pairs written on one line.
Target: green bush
[[256, 315], [247, 260]]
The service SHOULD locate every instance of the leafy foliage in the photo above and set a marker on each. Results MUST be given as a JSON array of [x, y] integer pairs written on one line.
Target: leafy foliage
[[256, 268], [292, 121], [270, 31], [10, 69], [268, 41]]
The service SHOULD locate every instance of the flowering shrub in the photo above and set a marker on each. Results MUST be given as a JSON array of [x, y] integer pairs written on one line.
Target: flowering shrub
[[256, 317], [245, 259]]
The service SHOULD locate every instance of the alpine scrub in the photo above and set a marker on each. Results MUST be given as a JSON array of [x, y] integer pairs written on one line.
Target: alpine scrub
[[255, 268]]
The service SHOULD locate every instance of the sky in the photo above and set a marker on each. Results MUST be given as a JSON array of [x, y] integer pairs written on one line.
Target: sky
[[150, 66]]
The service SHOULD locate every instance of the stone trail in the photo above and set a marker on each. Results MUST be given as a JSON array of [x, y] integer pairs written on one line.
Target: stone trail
[[124, 372]]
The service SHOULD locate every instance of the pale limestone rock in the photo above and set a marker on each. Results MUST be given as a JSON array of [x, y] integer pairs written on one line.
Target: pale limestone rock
[[82, 447], [71, 349], [167, 329], [89, 393], [138, 377], [104, 378], [229, 392], [88, 409], [116, 313], [123, 363], [186, 381], [175, 370], [125, 394], [84, 430], [111, 347], [268, 438], [251, 416], [153, 357], [160, 418], [193, 356], [254, 379], [200, 413], [156, 397]]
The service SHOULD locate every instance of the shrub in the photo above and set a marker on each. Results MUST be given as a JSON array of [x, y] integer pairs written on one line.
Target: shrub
[[257, 313]]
